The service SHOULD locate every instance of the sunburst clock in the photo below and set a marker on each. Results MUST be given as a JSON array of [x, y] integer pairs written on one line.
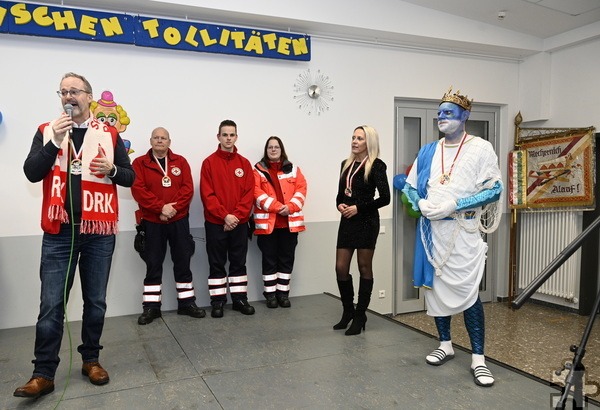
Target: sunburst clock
[[313, 92]]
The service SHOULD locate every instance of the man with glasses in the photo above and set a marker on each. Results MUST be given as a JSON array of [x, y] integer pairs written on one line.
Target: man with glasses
[[227, 193], [80, 162], [163, 189]]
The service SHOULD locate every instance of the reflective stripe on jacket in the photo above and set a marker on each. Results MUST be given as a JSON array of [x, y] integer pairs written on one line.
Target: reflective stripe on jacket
[[266, 206]]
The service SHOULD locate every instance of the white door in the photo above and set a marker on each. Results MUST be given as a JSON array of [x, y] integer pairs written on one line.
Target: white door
[[416, 125]]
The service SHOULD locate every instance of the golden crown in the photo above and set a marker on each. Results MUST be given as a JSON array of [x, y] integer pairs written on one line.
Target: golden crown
[[457, 99]]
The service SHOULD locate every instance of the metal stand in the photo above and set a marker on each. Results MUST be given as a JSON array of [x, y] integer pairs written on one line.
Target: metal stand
[[577, 370], [574, 380]]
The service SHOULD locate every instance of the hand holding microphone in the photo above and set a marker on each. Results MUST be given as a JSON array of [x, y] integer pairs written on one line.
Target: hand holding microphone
[[63, 125]]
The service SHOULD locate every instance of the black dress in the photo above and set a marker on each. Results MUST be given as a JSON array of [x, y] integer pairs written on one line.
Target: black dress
[[360, 231]]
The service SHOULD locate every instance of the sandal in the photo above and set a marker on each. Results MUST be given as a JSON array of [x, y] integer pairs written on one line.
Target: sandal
[[440, 357], [480, 372]]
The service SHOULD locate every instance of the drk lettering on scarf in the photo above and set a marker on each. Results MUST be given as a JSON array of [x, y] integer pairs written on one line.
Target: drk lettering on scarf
[[98, 202]]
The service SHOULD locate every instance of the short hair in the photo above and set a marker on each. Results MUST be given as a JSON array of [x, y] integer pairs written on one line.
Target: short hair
[[160, 128], [265, 157], [86, 83], [227, 123]]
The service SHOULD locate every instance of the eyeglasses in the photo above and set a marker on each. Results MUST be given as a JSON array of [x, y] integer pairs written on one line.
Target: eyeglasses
[[74, 92]]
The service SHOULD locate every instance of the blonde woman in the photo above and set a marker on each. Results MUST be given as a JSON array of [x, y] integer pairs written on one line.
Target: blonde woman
[[361, 175]]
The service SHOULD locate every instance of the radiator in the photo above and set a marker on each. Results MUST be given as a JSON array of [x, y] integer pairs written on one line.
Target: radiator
[[542, 236]]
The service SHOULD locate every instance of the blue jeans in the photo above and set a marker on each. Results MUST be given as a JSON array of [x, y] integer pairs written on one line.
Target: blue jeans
[[94, 254]]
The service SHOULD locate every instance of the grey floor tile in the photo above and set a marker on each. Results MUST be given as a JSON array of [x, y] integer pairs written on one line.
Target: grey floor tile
[[277, 358]]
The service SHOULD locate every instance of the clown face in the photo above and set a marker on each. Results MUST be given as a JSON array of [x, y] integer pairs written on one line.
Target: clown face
[[108, 112]]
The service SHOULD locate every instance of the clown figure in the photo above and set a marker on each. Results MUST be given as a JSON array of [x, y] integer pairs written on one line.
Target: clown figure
[[107, 111], [455, 183]]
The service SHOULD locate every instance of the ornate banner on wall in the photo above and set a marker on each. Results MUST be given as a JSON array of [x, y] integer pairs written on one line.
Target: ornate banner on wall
[[91, 25], [551, 170]]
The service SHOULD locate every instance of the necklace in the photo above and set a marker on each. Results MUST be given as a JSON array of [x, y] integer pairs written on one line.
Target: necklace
[[445, 178]]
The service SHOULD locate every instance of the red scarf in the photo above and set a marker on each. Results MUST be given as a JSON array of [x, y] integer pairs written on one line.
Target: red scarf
[[99, 203]]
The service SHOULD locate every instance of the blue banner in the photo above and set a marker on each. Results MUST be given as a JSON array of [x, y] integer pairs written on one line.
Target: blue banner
[[186, 35], [47, 21], [61, 22]]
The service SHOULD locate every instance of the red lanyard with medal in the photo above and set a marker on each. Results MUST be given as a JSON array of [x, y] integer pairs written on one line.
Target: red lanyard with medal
[[76, 165], [445, 178], [349, 178]]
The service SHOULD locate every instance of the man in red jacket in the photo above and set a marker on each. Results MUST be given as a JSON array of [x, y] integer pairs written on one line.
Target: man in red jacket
[[227, 193], [163, 189]]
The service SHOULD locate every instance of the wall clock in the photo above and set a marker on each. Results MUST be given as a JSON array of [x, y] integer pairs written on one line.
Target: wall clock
[[313, 92]]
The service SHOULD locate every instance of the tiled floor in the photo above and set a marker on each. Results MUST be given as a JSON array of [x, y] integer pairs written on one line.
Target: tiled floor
[[278, 358], [535, 339]]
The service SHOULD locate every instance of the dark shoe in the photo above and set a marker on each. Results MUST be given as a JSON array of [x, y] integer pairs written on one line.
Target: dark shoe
[[217, 310], [358, 324], [271, 301], [283, 301], [346, 288], [243, 306], [364, 297], [35, 387], [148, 315], [347, 317], [95, 372], [191, 310]]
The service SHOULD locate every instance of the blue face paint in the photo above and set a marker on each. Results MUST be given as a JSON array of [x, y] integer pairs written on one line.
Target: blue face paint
[[450, 117], [449, 111]]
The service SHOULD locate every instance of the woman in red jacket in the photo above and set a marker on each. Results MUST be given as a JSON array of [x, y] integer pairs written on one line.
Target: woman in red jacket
[[279, 191]]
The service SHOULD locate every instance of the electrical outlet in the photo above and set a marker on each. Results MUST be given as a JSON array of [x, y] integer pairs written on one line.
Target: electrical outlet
[[381, 294]]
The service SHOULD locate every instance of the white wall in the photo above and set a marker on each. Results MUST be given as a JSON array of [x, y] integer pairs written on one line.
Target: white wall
[[190, 93]]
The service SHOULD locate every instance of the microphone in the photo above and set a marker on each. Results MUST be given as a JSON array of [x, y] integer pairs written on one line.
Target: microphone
[[69, 111]]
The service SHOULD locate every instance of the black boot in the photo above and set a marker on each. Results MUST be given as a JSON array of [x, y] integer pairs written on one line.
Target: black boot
[[347, 294], [364, 298]]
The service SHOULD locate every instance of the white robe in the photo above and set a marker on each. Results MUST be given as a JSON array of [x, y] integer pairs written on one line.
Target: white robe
[[458, 246]]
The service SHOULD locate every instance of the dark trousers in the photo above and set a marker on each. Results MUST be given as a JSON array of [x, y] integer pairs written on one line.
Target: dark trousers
[[222, 246], [177, 235], [278, 253]]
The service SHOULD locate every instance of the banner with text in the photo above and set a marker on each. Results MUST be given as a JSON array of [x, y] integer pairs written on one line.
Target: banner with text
[[557, 172], [62, 22]]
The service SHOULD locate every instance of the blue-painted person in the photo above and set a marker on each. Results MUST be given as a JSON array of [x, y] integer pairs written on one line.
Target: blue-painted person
[[455, 183]]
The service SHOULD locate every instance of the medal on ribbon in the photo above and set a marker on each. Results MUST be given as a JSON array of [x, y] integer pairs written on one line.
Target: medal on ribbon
[[349, 178], [76, 167]]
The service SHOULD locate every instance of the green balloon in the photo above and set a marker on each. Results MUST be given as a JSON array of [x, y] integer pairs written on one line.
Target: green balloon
[[404, 199], [412, 213]]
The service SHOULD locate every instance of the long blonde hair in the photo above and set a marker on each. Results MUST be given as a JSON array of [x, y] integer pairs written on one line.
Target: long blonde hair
[[372, 138]]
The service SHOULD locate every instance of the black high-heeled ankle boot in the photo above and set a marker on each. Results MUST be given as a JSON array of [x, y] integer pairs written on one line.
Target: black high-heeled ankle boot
[[347, 295], [364, 298]]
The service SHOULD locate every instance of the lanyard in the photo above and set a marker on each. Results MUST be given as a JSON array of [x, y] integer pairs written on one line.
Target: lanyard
[[166, 181], [349, 178], [445, 178]]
